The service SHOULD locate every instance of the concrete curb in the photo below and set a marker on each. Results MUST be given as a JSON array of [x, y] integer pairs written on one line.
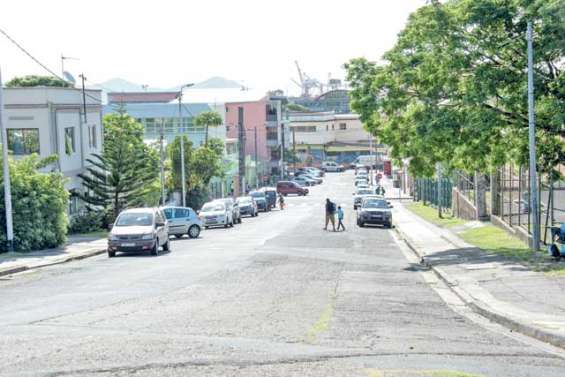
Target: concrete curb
[[483, 309], [78, 256]]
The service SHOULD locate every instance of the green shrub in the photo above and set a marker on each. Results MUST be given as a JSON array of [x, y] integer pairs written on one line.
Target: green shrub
[[39, 205], [88, 222]]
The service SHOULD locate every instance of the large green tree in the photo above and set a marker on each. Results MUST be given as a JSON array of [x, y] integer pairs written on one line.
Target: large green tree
[[124, 175], [208, 119], [33, 80], [454, 88], [201, 165]]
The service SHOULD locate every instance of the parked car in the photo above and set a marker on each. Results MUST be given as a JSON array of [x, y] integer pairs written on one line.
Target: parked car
[[304, 181], [247, 206], [216, 213], [139, 229], [374, 210], [234, 207], [315, 171], [318, 180], [261, 200], [183, 220], [270, 195], [330, 166], [287, 187], [362, 193], [361, 180]]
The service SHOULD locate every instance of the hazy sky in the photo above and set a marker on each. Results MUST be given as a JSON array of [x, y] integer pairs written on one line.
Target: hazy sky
[[165, 43]]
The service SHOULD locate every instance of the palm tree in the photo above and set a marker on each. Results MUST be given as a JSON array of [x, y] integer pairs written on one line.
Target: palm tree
[[207, 119]]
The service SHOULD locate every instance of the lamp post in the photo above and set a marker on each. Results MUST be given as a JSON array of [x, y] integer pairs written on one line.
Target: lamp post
[[183, 179]]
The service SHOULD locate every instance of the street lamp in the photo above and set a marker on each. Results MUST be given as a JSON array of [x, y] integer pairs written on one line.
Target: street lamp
[[183, 200]]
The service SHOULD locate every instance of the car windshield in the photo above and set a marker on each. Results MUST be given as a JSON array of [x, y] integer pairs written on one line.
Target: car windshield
[[257, 195], [210, 207], [244, 200], [135, 219], [375, 203]]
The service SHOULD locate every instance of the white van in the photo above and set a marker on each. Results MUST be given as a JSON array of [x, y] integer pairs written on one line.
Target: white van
[[330, 166]]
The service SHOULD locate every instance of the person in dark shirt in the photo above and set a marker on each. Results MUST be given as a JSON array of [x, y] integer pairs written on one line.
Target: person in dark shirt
[[330, 214]]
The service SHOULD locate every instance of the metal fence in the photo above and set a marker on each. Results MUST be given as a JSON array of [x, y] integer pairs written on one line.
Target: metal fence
[[426, 190], [513, 200]]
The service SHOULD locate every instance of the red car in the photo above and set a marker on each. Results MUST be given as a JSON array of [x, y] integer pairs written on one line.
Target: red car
[[287, 187]]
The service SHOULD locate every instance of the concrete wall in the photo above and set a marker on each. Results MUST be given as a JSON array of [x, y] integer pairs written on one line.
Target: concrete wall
[[462, 207], [327, 129]]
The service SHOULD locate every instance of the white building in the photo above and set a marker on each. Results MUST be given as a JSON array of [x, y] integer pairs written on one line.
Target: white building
[[329, 135], [49, 121]]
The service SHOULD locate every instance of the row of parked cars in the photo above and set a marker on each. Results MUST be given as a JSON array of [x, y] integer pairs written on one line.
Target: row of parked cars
[[369, 201], [149, 229]]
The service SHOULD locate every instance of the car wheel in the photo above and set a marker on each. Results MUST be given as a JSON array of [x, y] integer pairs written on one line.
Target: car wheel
[[226, 225], [206, 227], [111, 254], [194, 231], [167, 245], [155, 250], [178, 235]]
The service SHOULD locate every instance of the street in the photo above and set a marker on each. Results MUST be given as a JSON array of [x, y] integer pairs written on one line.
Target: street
[[275, 296]]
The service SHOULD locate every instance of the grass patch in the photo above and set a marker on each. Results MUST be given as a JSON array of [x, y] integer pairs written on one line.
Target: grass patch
[[430, 214], [497, 241]]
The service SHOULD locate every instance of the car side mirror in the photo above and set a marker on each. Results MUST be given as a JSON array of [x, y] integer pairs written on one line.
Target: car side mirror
[[390, 206], [110, 226], [157, 225]]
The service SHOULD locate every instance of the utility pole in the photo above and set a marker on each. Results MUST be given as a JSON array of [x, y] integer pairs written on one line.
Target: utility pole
[[256, 159], [241, 141], [532, 142], [161, 137], [6, 170], [84, 120], [181, 127], [371, 172], [438, 169], [282, 151], [294, 151]]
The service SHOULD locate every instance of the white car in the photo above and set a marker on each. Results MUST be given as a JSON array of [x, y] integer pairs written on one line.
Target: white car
[[331, 166], [216, 213], [362, 193], [183, 220]]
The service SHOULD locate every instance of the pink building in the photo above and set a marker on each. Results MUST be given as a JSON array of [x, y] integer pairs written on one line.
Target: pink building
[[262, 119]]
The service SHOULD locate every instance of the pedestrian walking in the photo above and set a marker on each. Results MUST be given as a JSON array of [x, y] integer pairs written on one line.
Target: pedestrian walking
[[330, 214], [340, 216]]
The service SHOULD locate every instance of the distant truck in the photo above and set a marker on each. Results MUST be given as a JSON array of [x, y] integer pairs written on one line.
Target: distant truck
[[387, 168]]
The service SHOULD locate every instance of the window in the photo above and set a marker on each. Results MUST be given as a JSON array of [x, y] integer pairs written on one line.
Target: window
[[168, 213], [70, 140], [73, 205], [23, 141], [342, 126], [92, 137], [333, 126], [327, 127], [181, 213], [305, 128]]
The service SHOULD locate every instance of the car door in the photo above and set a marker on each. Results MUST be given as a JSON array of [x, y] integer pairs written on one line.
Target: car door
[[182, 220], [170, 216], [161, 227]]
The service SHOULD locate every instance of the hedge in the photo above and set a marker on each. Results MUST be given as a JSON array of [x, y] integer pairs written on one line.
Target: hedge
[[39, 205]]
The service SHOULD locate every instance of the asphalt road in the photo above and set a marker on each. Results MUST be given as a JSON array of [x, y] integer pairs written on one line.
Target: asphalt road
[[275, 296]]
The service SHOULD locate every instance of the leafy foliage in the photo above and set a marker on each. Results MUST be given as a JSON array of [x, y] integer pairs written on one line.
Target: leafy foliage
[[91, 221], [33, 80], [124, 174], [201, 165], [39, 205], [454, 88], [207, 119]]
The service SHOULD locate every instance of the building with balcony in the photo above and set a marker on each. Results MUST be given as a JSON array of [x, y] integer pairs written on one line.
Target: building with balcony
[[265, 132], [51, 121]]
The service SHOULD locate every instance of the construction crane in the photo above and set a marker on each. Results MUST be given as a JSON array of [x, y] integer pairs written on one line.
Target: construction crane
[[306, 83]]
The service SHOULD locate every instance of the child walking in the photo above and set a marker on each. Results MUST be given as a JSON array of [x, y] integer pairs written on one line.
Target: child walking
[[340, 218]]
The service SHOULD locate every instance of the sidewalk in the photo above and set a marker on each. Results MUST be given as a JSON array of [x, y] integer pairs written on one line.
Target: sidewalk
[[503, 291], [75, 248]]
